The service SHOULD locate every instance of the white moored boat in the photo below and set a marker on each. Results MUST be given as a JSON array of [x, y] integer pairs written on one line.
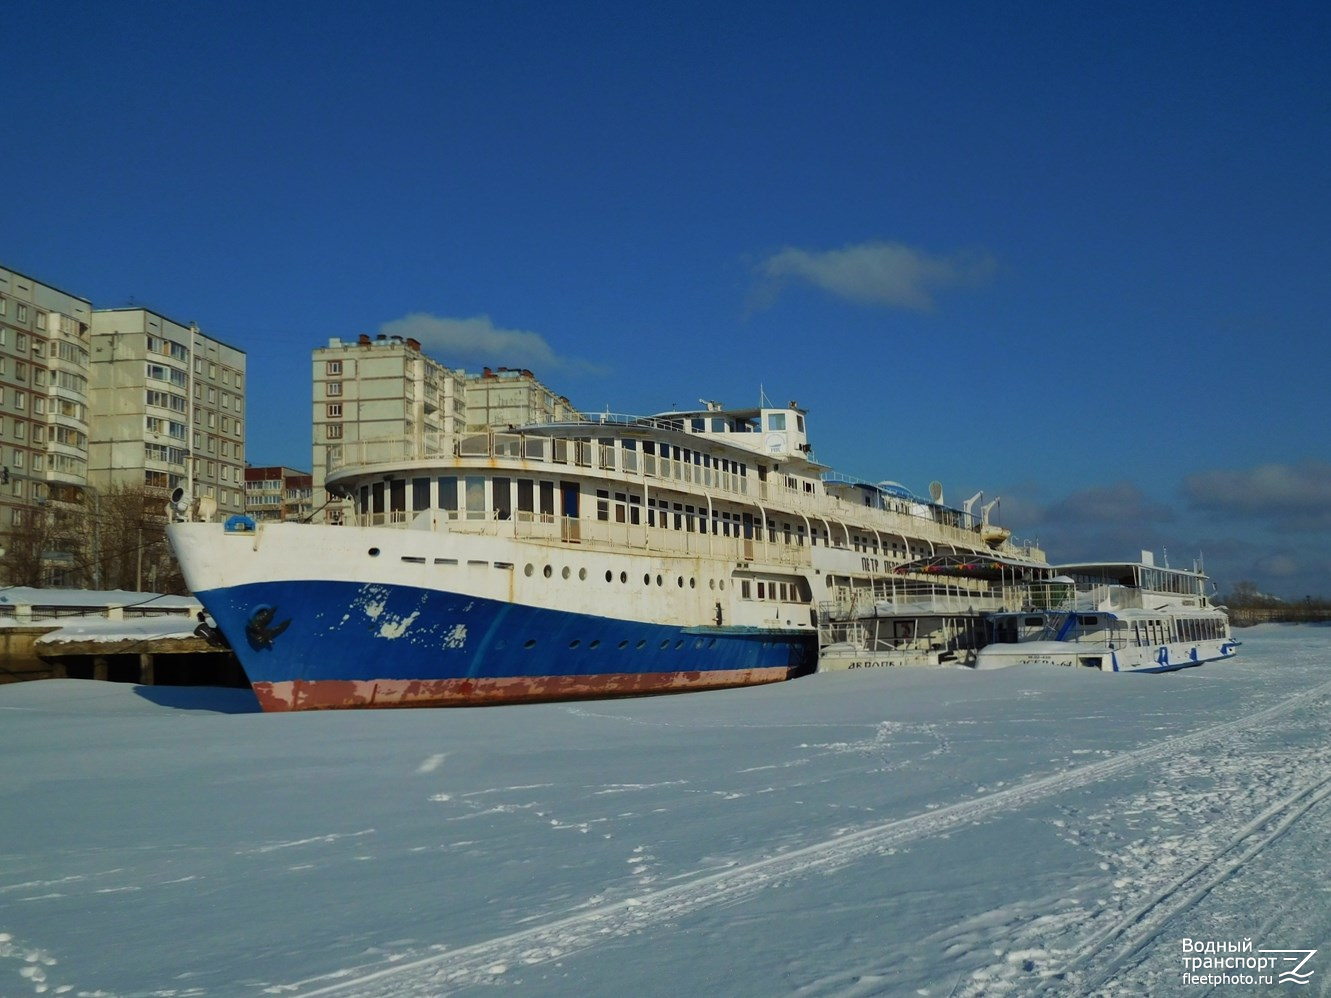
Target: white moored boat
[[931, 612], [1116, 617]]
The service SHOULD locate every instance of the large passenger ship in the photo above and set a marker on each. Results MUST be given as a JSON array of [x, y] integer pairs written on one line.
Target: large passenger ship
[[592, 557]]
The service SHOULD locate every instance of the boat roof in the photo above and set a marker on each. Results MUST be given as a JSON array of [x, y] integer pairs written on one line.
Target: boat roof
[[994, 568]]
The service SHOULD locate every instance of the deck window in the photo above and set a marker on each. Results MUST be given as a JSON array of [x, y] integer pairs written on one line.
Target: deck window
[[502, 498], [475, 486], [448, 493], [420, 494]]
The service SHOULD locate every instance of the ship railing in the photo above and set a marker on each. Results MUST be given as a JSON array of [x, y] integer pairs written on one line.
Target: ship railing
[[830, 514], [902, 596], [613, 536]]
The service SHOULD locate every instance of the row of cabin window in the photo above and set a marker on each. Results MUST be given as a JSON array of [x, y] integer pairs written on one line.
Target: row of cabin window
[[538, 497], [782, 592], [626, 508]]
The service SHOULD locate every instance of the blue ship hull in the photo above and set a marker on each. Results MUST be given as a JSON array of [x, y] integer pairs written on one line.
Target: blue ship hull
[[317, 644]]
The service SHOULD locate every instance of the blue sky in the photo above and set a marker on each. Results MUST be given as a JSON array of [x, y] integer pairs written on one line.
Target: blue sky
[[1073, 255]]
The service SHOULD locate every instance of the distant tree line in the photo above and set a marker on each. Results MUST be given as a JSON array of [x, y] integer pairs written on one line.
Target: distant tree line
[[1248, 604]]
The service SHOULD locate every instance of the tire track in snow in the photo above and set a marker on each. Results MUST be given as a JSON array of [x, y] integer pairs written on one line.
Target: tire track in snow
[[1143, 924], [486, 961]]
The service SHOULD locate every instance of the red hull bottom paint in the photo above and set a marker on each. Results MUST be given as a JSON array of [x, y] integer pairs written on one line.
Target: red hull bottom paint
[[335, 694]]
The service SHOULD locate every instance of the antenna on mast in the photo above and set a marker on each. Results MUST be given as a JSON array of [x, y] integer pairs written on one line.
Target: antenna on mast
[[763, 401]]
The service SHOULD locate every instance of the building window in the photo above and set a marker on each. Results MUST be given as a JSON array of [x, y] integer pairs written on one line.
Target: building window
[[333, 431], [334, 410], [334, 367], [334, 388]]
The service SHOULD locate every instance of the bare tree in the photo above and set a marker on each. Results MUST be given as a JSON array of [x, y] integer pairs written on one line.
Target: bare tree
[[126, 542], [39, 550]]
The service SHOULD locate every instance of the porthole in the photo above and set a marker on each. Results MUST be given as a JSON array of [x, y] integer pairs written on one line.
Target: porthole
[[609, 575], [646, 578], [529, 643], [623, 576], [697, 642], [574, 643], [547, 571], [595, 644], [665, 644], [528, 569], [565, 572], [679, 644], [640, 645], [711, 583], [582, 575], [693, 583], [623, 645], [721, 584], [660, 581], [680, 582], [374, 552]]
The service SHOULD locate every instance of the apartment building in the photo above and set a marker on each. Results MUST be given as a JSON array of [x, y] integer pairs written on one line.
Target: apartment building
[[278, 493], [375, 398], [169, 408], [510, 396], [382, 398], [44, 411]]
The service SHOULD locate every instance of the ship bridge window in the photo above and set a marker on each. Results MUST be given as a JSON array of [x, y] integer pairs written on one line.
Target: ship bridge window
[[420, 494], [776, 420]]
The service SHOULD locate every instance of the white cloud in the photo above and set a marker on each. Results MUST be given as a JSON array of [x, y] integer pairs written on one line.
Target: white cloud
[[477, 340], [876, 273]]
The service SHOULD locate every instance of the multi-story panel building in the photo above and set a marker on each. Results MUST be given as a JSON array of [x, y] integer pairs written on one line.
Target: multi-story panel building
[[381, 398], [44, 414], [513, 397], [169, 406], [375, 397], [278, 493]]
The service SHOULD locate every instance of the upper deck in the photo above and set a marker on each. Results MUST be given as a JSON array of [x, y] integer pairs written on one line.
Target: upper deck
[[732, 464]]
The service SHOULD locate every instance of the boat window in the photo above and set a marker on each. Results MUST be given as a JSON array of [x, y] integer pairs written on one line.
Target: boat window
[[776, 420], [420, 494], [503, 499], [548, 499], [448, 493], [397, 496], [475, 486], [525, 496]]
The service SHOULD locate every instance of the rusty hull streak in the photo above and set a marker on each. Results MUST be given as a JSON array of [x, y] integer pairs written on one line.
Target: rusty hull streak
[[333, 694]]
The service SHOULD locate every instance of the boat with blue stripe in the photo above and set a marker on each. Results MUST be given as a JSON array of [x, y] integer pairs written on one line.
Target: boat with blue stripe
[[595, 555]]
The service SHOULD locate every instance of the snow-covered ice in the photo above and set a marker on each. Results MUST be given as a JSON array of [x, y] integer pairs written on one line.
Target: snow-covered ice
[[1024, 831]]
